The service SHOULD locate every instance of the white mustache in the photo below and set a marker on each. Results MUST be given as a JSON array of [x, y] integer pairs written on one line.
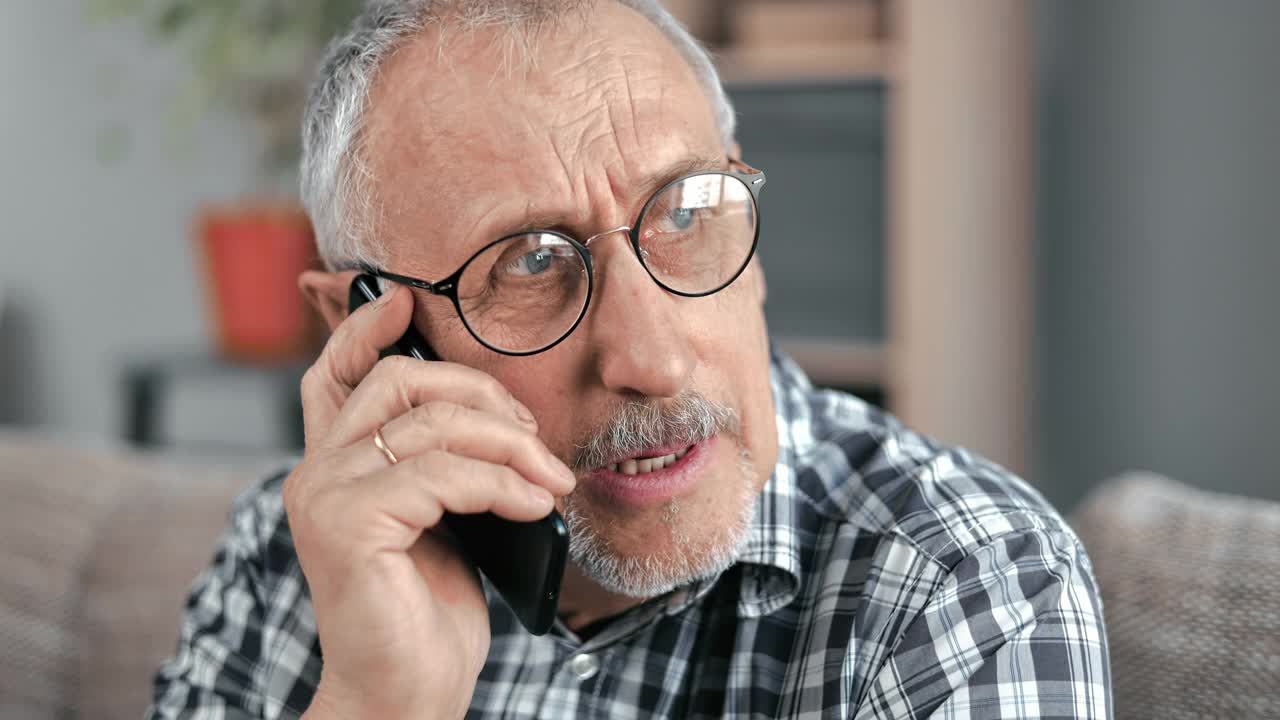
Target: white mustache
[[687, 419]]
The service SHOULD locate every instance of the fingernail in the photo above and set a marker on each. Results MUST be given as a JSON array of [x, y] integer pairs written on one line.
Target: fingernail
[[523, 413], [385, 297], [541, 499], [565, 471]]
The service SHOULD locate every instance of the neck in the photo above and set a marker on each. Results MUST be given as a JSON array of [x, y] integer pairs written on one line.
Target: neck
[[583, 602]]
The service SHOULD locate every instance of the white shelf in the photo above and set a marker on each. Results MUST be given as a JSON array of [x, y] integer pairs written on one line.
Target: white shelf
[[846, 363], [742, 66]]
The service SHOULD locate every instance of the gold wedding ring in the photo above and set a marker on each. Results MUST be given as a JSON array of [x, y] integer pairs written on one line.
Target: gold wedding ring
[[381, 444]]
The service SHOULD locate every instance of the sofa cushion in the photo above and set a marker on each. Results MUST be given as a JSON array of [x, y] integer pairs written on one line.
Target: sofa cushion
[[1190, 581], [53, 501], [98, 548], [157, 539]]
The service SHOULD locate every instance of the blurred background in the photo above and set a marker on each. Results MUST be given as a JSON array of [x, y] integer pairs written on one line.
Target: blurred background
[[1043, 229]]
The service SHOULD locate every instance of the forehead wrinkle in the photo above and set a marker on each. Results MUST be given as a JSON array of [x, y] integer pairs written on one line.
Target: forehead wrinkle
[[592, 51], [604, 81], [597, 135], [606, 133], [631, 104]]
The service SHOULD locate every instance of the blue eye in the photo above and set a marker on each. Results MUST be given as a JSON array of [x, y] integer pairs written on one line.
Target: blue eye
[[531, 263], [682, 218]]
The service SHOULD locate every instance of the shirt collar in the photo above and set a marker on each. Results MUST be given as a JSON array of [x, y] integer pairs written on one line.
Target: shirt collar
[[771, 559]]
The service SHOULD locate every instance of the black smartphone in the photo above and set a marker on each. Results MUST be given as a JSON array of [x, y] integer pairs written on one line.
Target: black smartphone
[[524, 561]]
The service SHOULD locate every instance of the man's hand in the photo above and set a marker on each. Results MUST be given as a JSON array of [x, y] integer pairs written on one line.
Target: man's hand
[[402, 620]]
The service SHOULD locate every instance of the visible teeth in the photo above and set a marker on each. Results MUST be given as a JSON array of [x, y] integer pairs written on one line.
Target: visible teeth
[[635, 466]]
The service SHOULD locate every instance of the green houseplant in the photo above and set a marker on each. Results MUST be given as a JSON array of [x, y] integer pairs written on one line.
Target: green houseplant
[[254, 58]]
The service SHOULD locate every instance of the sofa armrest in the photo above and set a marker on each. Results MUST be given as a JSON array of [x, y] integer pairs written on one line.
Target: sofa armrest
[[52, 502], [154, 543], [98, 548], [1189, 580]]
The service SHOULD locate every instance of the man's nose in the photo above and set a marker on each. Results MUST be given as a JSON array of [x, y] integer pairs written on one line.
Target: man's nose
[[639, 342]]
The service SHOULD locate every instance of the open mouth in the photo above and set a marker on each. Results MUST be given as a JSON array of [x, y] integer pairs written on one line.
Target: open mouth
[[656, 475], [639, 465]]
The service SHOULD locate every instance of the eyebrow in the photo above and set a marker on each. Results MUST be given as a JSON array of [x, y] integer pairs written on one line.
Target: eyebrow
[[680, 168]]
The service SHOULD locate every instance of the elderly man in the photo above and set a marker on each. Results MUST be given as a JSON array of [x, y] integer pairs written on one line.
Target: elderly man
[[742, 544]]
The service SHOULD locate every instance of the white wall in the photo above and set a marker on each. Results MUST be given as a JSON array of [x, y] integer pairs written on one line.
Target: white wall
[[96, 257]]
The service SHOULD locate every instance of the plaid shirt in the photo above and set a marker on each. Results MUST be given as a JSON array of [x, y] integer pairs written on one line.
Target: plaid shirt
[[885, 576]]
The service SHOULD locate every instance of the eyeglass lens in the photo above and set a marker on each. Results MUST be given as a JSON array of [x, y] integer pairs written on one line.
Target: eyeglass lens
[[526, 292], [696, 235]]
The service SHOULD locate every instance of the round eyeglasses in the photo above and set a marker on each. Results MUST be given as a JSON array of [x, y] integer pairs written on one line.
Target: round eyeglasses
[[523, 293]]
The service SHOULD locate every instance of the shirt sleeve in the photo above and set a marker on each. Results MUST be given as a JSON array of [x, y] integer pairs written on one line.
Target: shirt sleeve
[[1013, 631], [211, 675]]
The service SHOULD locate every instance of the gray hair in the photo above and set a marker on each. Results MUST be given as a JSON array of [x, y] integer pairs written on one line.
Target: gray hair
[[335, 180]]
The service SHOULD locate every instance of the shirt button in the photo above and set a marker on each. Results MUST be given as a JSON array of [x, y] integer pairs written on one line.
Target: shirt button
[[584, 666]]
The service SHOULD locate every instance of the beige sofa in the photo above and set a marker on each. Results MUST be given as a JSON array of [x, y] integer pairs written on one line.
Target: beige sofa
[[98, 548]]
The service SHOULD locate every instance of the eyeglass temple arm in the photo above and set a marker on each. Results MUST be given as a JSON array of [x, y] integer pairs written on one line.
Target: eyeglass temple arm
[[753, 178], [436, 288]]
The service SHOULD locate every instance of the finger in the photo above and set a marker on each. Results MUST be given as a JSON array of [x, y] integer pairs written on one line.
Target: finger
[[473, 433], [398, 384], [391, 507], [349, 355]]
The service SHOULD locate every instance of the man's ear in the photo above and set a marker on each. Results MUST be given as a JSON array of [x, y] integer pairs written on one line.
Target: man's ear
[[327, 293]]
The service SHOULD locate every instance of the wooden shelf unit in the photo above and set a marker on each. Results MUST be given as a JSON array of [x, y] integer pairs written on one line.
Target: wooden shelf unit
[[739, 66], [956, 359], [841, 363]]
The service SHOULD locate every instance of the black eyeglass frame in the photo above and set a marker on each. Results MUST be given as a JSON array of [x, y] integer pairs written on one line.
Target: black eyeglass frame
[[448, 286]]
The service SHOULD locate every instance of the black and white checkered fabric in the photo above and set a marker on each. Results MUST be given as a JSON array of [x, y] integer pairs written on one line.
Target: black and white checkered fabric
[[886, 576]]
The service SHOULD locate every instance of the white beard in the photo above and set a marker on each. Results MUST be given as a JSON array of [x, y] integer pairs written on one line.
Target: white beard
[[686, 560]]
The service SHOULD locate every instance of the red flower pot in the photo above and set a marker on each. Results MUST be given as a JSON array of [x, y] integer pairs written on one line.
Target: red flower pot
[[253, 255]]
